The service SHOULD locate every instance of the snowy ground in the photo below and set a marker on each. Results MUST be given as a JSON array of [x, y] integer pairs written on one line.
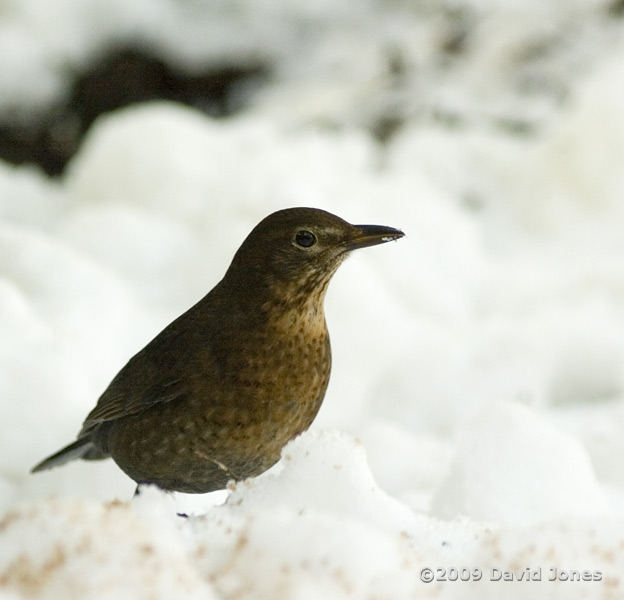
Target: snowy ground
[[475, 418]]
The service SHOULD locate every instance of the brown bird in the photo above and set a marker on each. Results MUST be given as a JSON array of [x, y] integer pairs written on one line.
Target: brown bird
[[219, 392]]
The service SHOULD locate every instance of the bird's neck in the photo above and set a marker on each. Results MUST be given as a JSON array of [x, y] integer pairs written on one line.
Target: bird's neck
[[303, 315], [285, 306]]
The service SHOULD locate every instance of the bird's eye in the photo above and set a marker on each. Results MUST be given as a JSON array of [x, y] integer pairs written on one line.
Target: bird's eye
[[305, 238]]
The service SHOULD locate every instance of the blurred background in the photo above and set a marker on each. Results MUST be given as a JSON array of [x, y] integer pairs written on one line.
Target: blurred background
[[140, 142], [378, 67]]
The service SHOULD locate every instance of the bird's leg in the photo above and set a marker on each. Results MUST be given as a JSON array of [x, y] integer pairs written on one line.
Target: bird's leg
[[137, 492]]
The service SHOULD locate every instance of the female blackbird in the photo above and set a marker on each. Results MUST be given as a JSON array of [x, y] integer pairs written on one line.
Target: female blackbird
[[219, 392]]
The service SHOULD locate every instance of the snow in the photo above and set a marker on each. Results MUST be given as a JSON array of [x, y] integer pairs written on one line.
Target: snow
[[475, 416]]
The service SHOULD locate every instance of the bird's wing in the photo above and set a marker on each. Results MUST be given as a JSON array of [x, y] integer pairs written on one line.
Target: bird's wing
[[114, 404], [164, 371], [130, 393]]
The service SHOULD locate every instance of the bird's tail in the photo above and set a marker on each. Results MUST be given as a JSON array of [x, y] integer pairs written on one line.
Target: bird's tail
[[82, 448]]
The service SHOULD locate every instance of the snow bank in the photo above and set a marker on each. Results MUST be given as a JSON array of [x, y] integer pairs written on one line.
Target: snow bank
[[317, 525]]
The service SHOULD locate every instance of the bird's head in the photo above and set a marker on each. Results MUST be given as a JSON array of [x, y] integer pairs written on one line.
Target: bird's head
[[293, 253]]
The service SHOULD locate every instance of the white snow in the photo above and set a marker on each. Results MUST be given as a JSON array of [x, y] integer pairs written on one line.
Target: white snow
[[475, 416]]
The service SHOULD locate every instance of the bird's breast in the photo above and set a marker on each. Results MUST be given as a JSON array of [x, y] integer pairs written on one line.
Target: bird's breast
[[282, 372]]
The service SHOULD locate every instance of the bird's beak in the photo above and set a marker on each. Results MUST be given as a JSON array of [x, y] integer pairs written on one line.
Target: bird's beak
[[372, 235]]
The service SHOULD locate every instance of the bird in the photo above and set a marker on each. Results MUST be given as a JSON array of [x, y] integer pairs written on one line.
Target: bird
[[224, 387]]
